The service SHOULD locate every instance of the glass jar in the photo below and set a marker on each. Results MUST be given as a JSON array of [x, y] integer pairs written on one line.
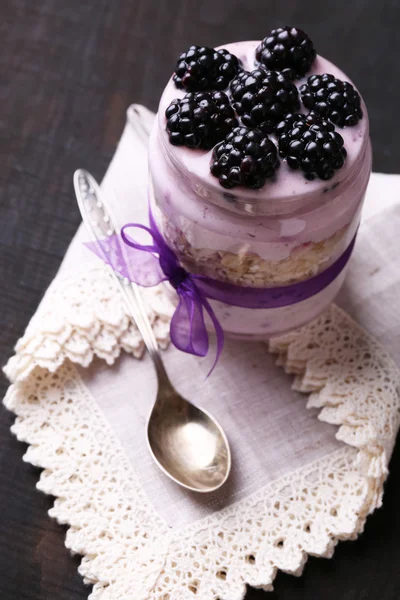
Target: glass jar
[[287, 232]]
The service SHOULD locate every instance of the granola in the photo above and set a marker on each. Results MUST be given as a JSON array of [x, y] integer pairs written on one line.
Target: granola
[[247, 268]]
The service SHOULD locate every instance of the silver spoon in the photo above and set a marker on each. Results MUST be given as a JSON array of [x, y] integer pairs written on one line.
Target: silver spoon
[[186, 442]]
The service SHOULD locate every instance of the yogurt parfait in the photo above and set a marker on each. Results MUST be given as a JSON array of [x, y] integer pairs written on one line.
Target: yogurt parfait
[[259, 159]]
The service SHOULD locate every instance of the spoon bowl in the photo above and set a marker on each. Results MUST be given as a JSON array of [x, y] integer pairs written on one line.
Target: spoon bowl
[[188, 444]]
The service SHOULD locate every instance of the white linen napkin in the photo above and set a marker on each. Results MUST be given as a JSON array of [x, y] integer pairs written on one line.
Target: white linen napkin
[[283, 456]]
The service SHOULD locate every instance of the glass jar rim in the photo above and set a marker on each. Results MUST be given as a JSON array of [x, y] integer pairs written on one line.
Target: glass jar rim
[[250, 202]]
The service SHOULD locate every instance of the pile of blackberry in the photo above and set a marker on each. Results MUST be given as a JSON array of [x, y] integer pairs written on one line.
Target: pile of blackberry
[[246, 157], [202, 68], [237, 122], [262, 98], [311, 144], [200, 119]]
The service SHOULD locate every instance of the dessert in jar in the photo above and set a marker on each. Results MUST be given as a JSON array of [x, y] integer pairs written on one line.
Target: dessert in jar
[[259, 159]]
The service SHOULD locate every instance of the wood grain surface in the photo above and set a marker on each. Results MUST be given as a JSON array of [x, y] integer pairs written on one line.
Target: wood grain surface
[[68, 71]]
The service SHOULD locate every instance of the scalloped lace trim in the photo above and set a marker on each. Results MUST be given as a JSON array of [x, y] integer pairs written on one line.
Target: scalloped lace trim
[[129, 552], [82, 316], [352, 379]]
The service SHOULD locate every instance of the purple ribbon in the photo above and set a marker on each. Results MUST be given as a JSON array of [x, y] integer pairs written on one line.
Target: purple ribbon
[[274, 297], [149, 265]]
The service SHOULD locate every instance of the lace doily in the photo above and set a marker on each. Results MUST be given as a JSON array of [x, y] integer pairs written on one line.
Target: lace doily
[[129, 551]]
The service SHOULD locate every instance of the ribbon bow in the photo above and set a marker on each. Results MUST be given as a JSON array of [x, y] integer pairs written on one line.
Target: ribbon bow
[[149, 265]]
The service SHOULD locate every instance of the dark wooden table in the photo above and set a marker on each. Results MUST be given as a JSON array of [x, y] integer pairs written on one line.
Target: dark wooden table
[[68, 71]]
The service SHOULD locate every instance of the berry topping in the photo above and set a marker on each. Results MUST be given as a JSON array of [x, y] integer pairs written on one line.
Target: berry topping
[[246, 157], [200, 119], [311, 144], [287, 47], [262, 98], [202, 68], [332, 98]]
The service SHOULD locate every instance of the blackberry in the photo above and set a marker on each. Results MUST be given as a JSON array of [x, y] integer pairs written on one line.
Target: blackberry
[[246, 157], [202, 68], [262, 98], [311, 144], [287, 47], [312, 118], [200, 119], [334, 99]]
